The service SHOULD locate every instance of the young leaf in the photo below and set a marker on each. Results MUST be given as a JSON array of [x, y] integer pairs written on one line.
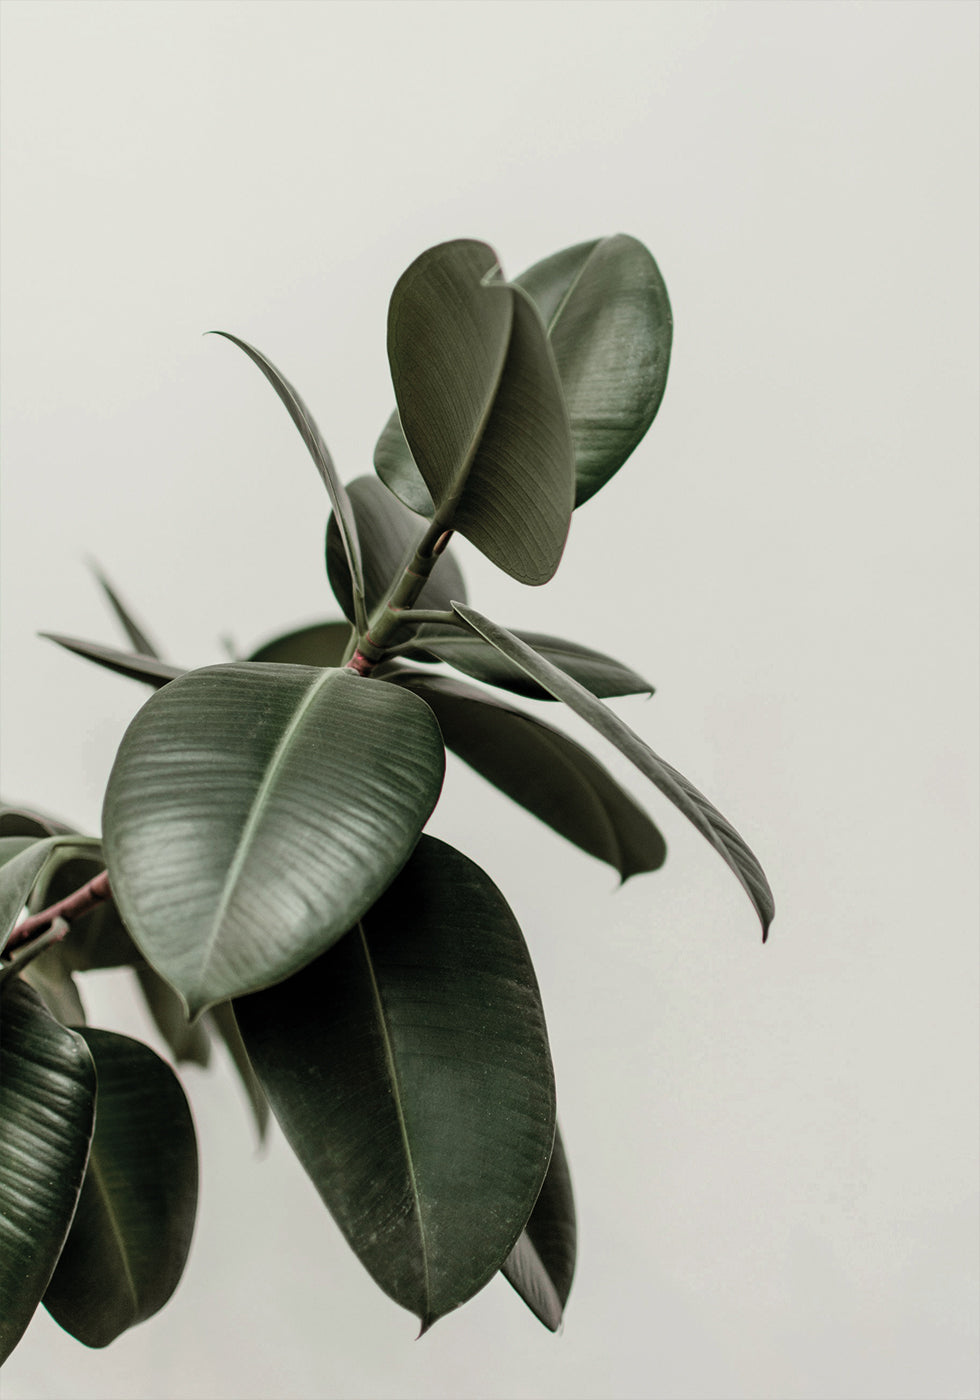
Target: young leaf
[[482, 408], [409, 1069], [254, 812], [125, 663], [389, 534], [544, 771], [138, 639], [47, 1111], [322, 644], [317, 448], [698, 810], [541, 1265], [222, 1018], [608, 318], [129, 1240]]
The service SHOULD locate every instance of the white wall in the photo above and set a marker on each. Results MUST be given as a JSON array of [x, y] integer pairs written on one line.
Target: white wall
[[773, 1150]]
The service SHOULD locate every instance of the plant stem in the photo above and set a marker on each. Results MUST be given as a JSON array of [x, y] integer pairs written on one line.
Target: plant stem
[[373, 643], [72, 907], [42, 942]]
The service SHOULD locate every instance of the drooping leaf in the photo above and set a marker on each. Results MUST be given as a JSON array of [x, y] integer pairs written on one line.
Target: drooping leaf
[[409, 1069], [475, 657], [138, 639], [24, 821], [389, 534], [255, 811], [32, 864], [222, 1018], [189, 1043], [124, 663], [482, 408], [129, 1240], [544, 771], [47, 1110], [712, 825], [99, 938], [322, 644], [52, 979], [609, 323], [317, 448], [541, 1265]]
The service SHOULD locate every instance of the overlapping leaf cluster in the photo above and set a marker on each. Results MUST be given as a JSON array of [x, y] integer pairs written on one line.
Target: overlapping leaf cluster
[[270, 881]]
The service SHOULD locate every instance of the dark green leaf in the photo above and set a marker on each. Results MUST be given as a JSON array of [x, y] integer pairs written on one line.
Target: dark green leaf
[[22, 821], [222, 1017], [608, 318], [254, 812], [51, 977], [128, 1243], [322, 644], [544, 771], [482, 408], [410, 1071], [189, 1044], [124, 663], [99, 938], [32, 864], [47, 1110], [698, 810], [138, 639], [541, 1265], [395, 465], [389, 534]]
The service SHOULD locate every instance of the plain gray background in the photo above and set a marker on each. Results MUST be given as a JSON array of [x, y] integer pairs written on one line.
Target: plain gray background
[[774, 1150]]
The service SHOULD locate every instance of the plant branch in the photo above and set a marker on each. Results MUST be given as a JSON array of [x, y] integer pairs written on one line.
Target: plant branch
[[72, 907], [43, 941], [372, 644]]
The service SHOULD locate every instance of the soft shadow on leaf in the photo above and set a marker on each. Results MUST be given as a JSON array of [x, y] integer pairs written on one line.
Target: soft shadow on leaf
[[321, 644], [222, 1018], [542, 1263]]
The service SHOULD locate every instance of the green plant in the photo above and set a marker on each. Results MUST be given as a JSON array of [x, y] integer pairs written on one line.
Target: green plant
[[262, 866]]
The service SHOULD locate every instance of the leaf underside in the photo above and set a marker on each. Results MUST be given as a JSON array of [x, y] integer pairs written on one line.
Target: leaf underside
[[542, 1263]]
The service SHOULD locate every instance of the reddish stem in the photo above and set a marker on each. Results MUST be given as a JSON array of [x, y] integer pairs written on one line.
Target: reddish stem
[[96, 892]]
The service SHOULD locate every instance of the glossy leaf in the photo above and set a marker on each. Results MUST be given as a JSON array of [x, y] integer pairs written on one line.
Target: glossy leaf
[[609, 323], [317, 448], [189, 1043], [389, 534], [712, 825], [222, 1018], [410, 1071], [138, 639], [544, 771], [129, 1240], [475, 657], [254, 812], [125, 663], [482, 409], [322, 644], [47, 1111], [541, 1265]]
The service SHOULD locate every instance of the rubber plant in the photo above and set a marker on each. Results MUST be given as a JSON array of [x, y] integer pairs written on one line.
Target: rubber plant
[[263, 867]]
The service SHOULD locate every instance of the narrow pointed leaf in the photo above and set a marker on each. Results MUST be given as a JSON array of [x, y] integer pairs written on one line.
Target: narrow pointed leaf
[[409, 1069], [609, 323], [254, 812], [482, 409], [541, 1265], [222, 1018], [389, 534], [475, 657], [47, 1111], [189, 1043], [544, 771], [125, 663], [138, 639], [129, 1240], [712, 825], [322, 644], [317, 448]]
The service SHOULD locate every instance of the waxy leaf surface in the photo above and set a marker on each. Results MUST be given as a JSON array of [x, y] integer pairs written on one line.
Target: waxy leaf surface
[[255, 811], [409, 1068], [129, 1240], [541, 1265], [47, 1112]]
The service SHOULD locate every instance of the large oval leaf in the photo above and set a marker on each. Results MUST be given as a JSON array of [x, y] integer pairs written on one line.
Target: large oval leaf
[[544, 771], [409, 1068], [686, 798], [481, 407], [389, 533], [47, 1111], [255, 811], [129, 1240], [608, 318], [542, 1263]]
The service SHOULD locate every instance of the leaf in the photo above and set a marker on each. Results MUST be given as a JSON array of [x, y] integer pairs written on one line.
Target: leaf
[[475, 657], [98, 939], [47, 1110], [124, 663], [389, 534], [609, 324], [51, 977], [544, 771], [322, 644], [18, 874], [128, 1243], [712, 825], [317, 448], [189, 1044], [138, 639], [409, 1069], [541, 1265], [395, 465], [254, 812], [23, 821], [222, 1018], [482, 409]]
